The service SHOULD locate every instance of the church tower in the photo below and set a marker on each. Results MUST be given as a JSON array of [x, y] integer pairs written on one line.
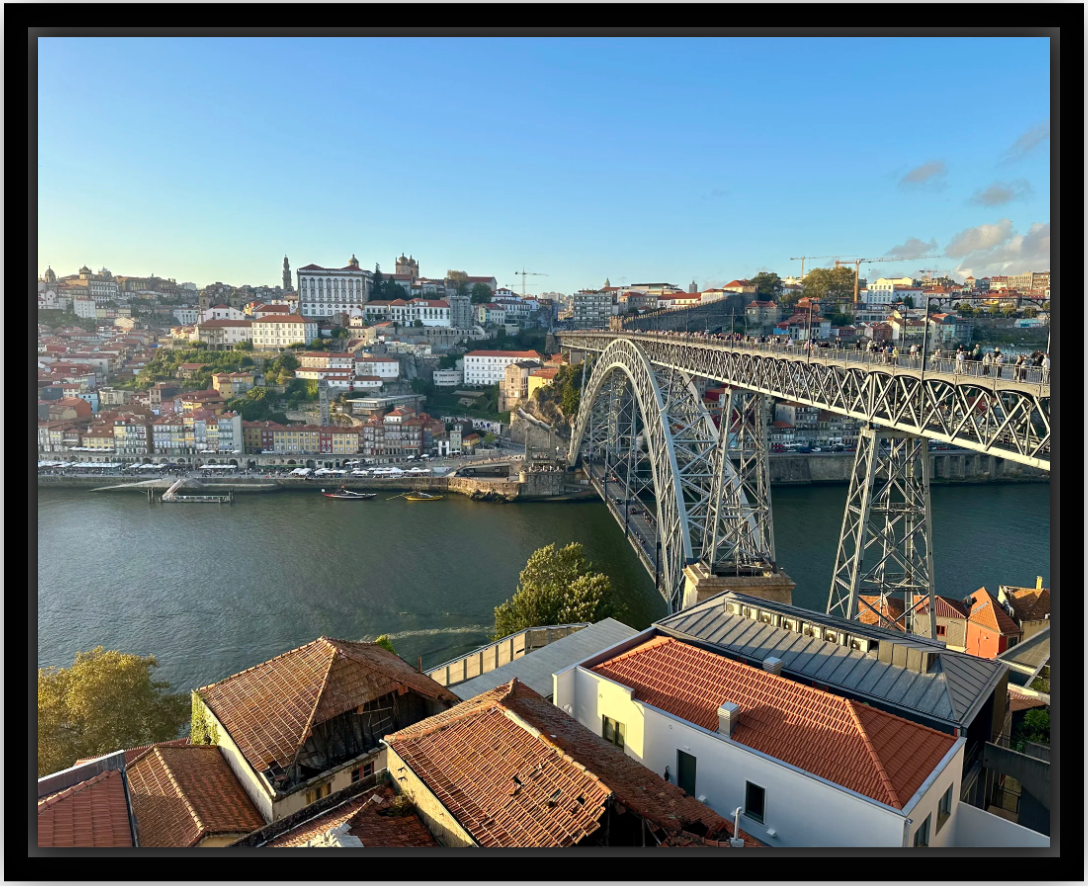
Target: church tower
[[607, 283], [50, 275], [287, 275], [692, 289]]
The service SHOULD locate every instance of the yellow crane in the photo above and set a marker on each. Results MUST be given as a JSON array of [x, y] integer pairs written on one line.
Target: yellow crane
[[856, 262], [523, 274]]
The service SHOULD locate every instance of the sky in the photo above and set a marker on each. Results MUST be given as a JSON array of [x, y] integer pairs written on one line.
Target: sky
[[636, 160]]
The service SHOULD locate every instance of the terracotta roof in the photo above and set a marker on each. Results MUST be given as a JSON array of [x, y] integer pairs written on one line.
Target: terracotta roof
[[1029, 604], [866, 750], [270, 709], [290, 318], [93, 813], [945, 607], [364, 816], [224, 324], [987, 612], [515, 354], [182, 794], [1018, 702], [508, 784], [891, 609], [544, 373]]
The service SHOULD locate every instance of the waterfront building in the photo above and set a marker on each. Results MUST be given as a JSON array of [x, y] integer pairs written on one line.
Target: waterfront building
[[1028, 607], [472, 774], [990, 629], [489, 367], [327, 291], [308, 723]]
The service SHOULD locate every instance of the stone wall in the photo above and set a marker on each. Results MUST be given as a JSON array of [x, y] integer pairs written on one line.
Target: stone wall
[[944, 467]]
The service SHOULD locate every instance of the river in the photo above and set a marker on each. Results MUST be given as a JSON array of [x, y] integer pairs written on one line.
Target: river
[[211, 590]]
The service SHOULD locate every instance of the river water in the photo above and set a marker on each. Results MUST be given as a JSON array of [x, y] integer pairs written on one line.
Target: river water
[[211, 590]]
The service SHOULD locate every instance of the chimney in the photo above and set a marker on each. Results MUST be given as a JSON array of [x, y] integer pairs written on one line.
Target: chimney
[[728, 717], [773, 665], [1038, 582]]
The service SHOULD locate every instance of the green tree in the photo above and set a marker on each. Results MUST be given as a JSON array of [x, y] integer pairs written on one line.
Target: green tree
[[377, 286], [244, 346], [824, 283], [768, 286], [556, 587], [480, 293], [964, 309], [386, 643], [104, 702], [489, 438], [418, 324], [317, 344], [393, 291]]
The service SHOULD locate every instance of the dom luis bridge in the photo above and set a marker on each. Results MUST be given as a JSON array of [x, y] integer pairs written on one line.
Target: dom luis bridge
[[695, 501]]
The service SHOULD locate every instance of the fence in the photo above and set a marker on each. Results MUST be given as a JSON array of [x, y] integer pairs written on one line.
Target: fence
[[495, 655]]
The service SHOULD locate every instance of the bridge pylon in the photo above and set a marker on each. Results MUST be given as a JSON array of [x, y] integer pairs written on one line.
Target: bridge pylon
[[885, 550]]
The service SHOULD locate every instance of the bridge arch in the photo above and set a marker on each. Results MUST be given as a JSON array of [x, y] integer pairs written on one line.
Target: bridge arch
[[682, 447]]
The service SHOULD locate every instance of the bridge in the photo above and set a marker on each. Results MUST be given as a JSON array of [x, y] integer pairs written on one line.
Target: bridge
[[702, 498]]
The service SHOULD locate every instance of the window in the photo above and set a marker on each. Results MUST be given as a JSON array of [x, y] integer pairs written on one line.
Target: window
[[921, 836], [944, 809], [355, 775], [685, 772], [754, 801], [614, 732], [319, 792], [940, 630]]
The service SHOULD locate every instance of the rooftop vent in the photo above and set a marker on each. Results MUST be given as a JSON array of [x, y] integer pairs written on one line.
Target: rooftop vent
[[911, 658], [728, 717], [773, 665]]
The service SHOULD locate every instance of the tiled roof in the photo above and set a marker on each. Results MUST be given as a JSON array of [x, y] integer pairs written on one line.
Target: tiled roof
[[851, 744], [987, 612], [364, 816], [945, 607], [1029, 604], [507, 784], [93, 813], [892, 608], [1018, 702], [515, 354], [270, 709], [180, 795]]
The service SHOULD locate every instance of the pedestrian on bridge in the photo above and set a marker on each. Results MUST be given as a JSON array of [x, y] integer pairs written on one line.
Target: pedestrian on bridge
[[986, 361], [913, 354], [1046, 369], [895, 356], [960, 359]]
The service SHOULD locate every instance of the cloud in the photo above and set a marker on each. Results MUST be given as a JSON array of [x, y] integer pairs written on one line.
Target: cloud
[[976, 239], [913, 248], [1002, 192], [931, 173], [1027, 142], [996, 249], [715, 194]]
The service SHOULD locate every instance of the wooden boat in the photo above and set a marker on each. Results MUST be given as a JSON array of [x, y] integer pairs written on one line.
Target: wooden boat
[[423, 496], [347, 495]]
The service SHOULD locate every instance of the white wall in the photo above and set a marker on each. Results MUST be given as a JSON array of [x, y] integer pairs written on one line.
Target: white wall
[[251, 782], [974, 827], [803, 810]]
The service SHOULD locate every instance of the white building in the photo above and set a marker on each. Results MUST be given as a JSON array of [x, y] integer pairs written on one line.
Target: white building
[[490, 313], [376, 365], [448, 378], [187, 316], [222, 312], [429, 312], [489, 367], [806, 767], [84, 307], [282, 332], [889, 290], [224, 333], [323, 292]]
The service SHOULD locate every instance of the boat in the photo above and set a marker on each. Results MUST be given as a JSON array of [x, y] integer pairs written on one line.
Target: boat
[[348, 495], [423, 496]]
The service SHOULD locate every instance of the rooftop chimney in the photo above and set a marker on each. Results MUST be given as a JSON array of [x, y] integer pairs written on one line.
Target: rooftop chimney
[[1038, 582], [773, 665], [728, 717]]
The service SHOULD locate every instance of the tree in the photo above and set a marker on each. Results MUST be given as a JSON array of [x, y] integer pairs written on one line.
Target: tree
[[386, 643], [104, 702], [418, 324], [965, 310], [394, 290], [244, 346], [489, 438], [481, 293], [317, 344], [823, 283], [556, 587], [768, 286], [908, 300], [377, 285]]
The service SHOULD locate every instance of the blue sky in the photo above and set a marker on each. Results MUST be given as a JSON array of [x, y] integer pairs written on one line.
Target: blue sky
[[637, 160]]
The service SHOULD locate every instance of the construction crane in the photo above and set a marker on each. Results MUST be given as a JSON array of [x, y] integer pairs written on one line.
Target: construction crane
[[856, 262], [801, 259], [523, 274]]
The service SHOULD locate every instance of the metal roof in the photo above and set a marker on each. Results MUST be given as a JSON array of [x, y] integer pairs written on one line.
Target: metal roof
[[535, 669], [1029, 656], [953, 689]]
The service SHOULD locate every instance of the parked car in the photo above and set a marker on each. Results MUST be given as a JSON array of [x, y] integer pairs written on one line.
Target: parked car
[[817, 449]]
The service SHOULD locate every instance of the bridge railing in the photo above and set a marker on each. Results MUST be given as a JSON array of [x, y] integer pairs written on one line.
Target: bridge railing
[[837, 352]]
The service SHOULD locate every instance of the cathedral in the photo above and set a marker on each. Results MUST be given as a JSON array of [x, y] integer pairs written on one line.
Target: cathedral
[[408, 265]]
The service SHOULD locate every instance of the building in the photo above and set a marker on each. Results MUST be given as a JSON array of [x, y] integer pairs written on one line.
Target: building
[[1028, 607], [489, 367], [326, 291], [592, 309], [222, 335], [86, 805], [275, 332], [509, 769], [540, 378], [379, 365], [990, 629], [761, 315], [232, 384], [448, 378], [461, 313], [308, 723], [515, 384], [428, 312], [490, 313], [407, 266]]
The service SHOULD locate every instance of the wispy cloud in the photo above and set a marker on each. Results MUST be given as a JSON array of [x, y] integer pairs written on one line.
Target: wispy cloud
[[931, 173], [1000, 193], [913, 248], [996, 249], [1027, 142], [978, 238], [715, 194]]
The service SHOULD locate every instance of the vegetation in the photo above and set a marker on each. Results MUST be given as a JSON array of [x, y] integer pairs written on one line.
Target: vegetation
[[67, 318], [104, 702], [386, 643], [1035, 728], [768, 286], [201, 729], [824, 283], [164, 366], [568, 389], [556, 587], [481, 294]]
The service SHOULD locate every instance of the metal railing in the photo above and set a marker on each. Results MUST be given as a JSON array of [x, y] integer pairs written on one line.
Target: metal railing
[[495, 655]]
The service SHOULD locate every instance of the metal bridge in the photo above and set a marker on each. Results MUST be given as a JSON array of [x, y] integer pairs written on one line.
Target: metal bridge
[[698, 496]]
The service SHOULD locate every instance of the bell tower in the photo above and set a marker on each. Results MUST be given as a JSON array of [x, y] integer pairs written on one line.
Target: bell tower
[[287, 275]]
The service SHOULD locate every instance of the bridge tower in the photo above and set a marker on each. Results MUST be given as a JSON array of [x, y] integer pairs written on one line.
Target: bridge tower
[[884, 563]]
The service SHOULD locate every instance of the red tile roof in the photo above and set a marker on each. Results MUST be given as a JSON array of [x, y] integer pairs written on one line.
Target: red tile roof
[[987, 611], [1018, 702], [270, 709], [516, 771], [1029, 604], [181, 795], [892, 608], [517, 354], [851, 744], [93, 813], [364, 815]]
